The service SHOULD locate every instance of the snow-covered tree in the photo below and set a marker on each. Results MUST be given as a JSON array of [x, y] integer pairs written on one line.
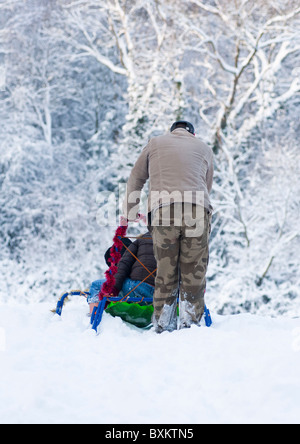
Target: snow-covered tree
[[84, 84], [136, 41], [245, 53]]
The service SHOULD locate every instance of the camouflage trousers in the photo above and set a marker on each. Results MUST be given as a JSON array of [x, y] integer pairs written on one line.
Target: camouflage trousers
[[182, 255]]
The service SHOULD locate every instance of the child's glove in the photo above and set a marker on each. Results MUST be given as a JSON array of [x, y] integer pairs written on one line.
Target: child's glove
[[114, 292]]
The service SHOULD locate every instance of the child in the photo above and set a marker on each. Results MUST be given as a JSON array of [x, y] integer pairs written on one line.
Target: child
[[131, 271]]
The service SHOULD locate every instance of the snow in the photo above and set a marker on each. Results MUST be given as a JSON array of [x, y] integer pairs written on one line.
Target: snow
[[243, 369]]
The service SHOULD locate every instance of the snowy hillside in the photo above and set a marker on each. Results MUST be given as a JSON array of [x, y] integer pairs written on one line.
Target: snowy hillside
[[244, 369]]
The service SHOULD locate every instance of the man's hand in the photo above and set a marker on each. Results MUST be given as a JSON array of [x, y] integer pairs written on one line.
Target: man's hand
[[142, 217], [124, 221]]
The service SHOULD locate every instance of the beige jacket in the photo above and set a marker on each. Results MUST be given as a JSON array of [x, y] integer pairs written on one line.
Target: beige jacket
[[180, 169]]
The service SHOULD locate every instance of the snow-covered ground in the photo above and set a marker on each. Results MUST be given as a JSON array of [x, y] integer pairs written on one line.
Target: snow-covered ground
[[244, 369]]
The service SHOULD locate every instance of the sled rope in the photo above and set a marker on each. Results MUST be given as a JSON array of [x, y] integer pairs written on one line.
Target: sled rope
[[136, 258], [124, 298]]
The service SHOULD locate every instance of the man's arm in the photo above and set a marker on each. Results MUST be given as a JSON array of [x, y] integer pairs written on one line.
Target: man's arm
[[210, 174], [138, 177]]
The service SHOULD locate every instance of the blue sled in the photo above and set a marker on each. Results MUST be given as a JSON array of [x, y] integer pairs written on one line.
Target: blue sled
[[97, 313]]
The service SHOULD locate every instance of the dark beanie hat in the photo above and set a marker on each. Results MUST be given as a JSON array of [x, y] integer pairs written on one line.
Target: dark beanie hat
[[183, 124]]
